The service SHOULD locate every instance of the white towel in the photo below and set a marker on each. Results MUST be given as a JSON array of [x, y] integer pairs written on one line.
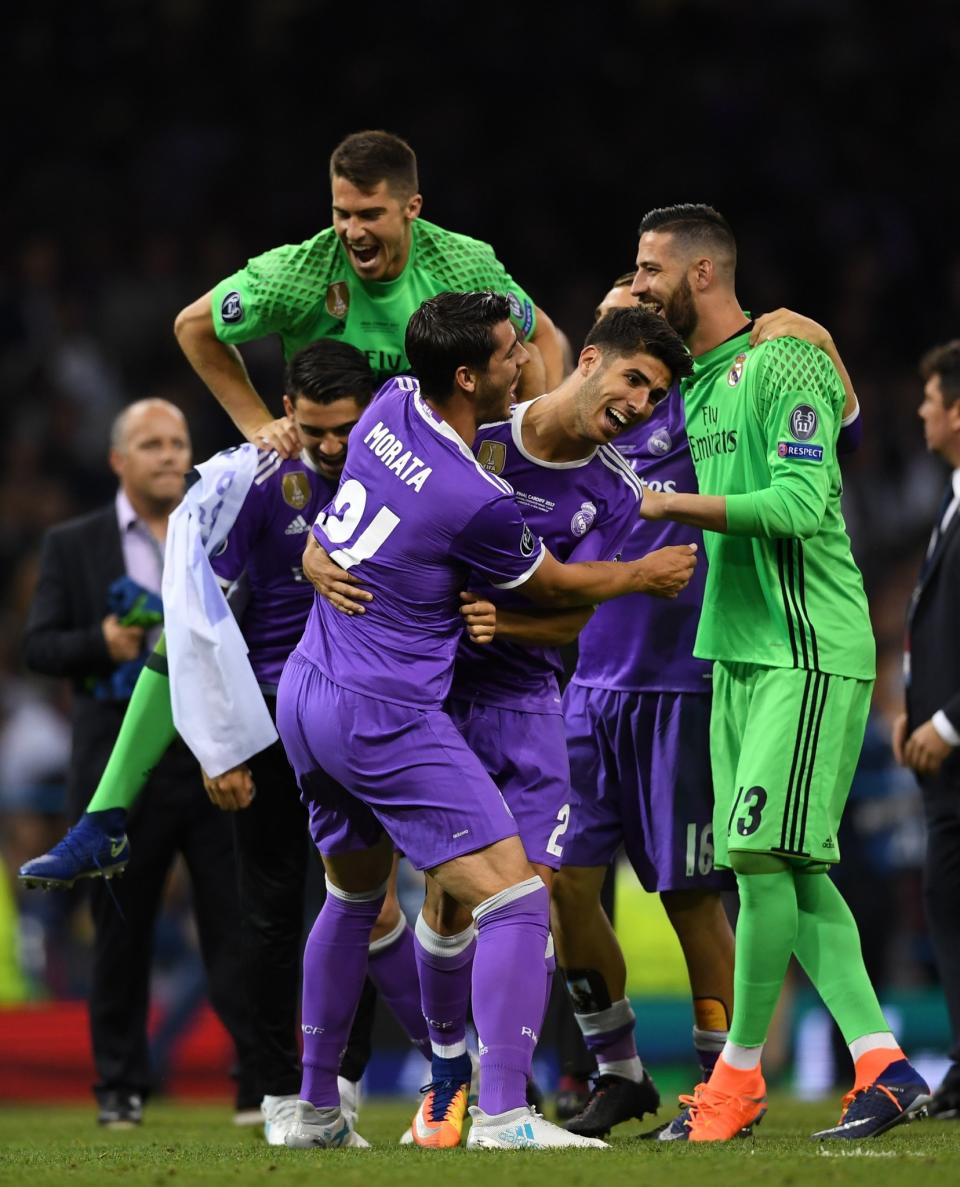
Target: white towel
[[218, 708]]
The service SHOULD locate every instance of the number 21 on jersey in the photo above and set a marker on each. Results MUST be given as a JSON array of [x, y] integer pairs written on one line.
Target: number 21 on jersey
[[350, 502]]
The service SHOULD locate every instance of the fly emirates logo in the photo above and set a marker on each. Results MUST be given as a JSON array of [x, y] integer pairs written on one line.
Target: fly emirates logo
[[399, 461], [712, 438]]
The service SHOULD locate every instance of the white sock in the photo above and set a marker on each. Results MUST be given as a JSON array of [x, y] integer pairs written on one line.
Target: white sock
[[627, 1069], [880, 1038], [744, 1059]]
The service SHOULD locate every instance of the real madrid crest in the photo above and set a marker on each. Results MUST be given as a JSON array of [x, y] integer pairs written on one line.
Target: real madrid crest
[[736, 371], [492, 455], [338, 300], [583, 519], [296, 489]]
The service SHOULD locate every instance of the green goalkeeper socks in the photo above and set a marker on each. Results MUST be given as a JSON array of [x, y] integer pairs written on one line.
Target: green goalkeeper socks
[[766, 935], [828, 948], [145, 734]]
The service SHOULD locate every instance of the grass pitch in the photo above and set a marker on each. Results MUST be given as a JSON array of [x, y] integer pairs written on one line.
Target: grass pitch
[[182, 1145]]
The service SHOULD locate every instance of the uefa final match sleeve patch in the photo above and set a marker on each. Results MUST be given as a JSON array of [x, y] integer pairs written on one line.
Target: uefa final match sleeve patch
[[803, 424], [800, 452]]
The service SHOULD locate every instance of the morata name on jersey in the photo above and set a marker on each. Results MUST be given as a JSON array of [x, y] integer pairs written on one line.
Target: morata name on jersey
[[399, 461]]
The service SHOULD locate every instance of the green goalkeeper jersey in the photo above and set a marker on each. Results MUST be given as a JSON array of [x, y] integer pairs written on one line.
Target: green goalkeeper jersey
[[783, 589], [307, 291]]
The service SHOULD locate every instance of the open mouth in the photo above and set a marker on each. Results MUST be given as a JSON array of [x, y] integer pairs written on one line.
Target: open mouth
[[365, 255], [616, 421], [651, 306]]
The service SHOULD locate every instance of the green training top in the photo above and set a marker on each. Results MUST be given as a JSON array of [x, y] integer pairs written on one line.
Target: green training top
[[307, 291], [783, 589]]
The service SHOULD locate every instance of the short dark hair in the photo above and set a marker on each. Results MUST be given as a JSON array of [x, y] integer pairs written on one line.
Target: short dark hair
[[452, 330], [624, 280], [945, 362], [631, 331], [694, 225], [329, 370], [367, 158]]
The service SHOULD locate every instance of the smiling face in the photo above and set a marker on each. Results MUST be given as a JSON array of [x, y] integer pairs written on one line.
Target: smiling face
[[662, 282], [617, 391], [374, 227], [323, 430]]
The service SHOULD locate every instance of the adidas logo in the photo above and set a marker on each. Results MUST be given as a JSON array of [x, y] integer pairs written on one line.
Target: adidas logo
[[297, 526], [519, 1135]]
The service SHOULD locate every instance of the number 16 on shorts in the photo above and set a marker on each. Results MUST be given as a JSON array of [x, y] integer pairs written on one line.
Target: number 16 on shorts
[[699, 849]]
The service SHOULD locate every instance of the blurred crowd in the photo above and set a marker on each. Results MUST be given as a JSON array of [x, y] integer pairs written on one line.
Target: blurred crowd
[[131, 206]]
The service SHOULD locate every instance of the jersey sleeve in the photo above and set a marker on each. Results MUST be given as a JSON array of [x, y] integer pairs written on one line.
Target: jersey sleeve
[[259, 299], [230, 559], [498, 545], [798, 398], [461, 263], [522, 311], [851, 433]]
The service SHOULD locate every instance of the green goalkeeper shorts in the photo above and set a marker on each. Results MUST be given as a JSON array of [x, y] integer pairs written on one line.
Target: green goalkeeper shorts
[[784, 745]]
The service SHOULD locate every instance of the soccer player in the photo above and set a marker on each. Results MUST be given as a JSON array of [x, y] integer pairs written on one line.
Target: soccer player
[[637, 712], [359, 281], [327, 386], [785, 621], [580, 497], [360, 708]]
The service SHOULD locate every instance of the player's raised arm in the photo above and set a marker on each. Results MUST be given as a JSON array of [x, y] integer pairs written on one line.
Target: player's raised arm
[[547, 341], [221, 368]]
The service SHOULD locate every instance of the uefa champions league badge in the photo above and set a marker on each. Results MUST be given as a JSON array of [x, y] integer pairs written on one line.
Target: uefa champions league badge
[[735, 373], [659, 443], [231, 308], [803, 422], [583, 519]]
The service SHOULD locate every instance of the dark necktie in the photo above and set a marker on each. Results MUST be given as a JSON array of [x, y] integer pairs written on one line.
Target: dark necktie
[[948, 497]]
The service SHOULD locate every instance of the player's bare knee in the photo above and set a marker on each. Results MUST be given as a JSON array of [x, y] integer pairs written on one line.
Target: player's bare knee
[[361, 870], [442, 913], [576, 893], [476, 877], [691, 909]]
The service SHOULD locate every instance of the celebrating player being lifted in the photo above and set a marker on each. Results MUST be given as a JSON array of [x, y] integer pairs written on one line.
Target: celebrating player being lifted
[[360, 709], [785, 621], [581, 498], [359, 281]]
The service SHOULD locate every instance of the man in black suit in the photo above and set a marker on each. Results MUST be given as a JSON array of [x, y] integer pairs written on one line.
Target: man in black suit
[[927, 737], [97, 594]]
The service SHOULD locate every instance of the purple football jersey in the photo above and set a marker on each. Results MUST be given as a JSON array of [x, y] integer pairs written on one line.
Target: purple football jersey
[[264, 547], [582, 511], [639, 643], [414, 513]]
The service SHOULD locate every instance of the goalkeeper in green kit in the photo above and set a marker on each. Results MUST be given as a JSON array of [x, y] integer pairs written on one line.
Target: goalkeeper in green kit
[[359, 281], [785, 621]]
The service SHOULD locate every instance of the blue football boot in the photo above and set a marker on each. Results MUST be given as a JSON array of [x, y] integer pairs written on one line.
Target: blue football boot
[[899, 1094], [96, 847]]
